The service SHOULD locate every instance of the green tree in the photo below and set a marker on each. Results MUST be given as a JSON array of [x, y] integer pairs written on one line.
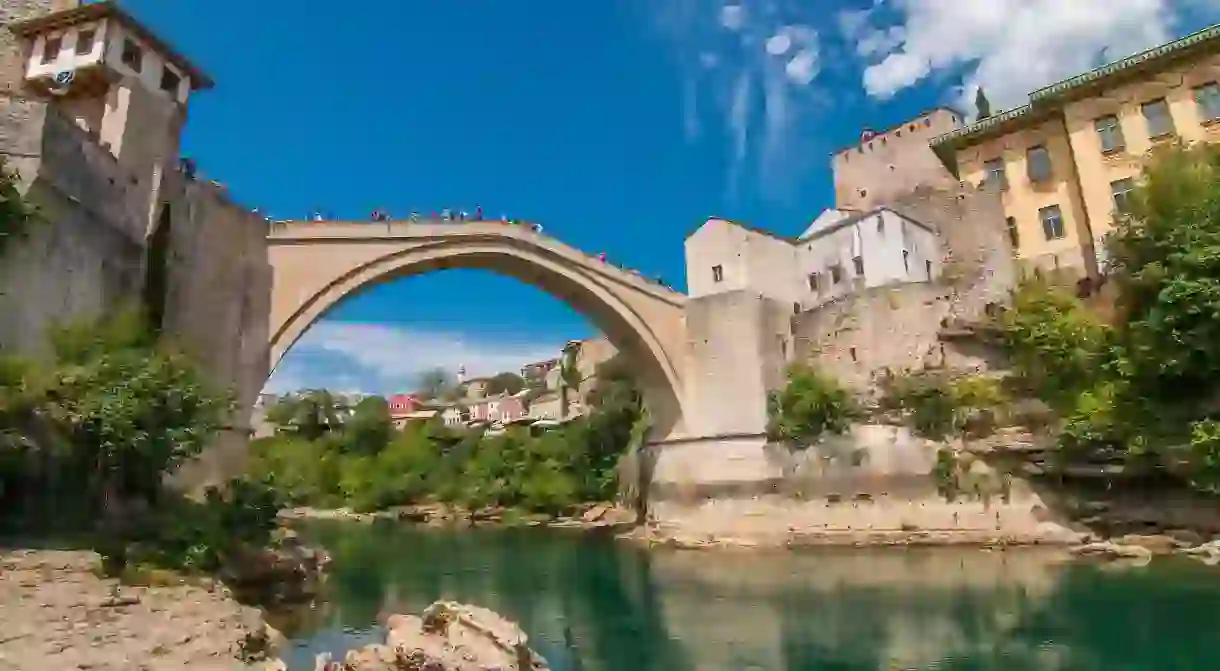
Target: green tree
[[505, 383], [810, 405], [435, 383], [309, 414], [16, 216], [370, 428], [1148, 382]]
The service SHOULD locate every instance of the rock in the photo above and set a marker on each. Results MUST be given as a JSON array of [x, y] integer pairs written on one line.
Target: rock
[[287, 572], [54, 616], [1158, 545], [1110, 550], [448, 636], [1185, 537], [595, 513]]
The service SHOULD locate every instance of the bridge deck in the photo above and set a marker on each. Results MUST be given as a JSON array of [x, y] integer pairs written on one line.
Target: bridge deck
[[288, 232]]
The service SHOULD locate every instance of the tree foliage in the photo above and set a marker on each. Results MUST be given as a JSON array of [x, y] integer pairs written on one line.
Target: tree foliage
[[436, 383], [1149, 382], [549, 472], [89, 439], [16, 216], [810, 405], [505, 383]]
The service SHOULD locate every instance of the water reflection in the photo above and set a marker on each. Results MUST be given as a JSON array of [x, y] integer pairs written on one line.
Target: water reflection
[[594, 604]]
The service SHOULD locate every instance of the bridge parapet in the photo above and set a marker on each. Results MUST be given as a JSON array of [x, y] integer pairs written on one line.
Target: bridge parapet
[[287, 232]]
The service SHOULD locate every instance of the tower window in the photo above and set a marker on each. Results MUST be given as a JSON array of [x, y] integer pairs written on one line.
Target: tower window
[[84, 41], [858, 264], [836, 273], [170, 80], [1157, 116], [906, 260], [814, 281], [50, 49], [717, 273], [132, 56]]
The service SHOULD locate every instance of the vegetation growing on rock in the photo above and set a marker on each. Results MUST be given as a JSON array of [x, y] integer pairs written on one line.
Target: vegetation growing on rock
[[88, 439], [1147, 383], [810, 405]]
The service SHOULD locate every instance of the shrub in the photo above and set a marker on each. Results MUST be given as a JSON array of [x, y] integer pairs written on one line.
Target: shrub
[[807, 407]]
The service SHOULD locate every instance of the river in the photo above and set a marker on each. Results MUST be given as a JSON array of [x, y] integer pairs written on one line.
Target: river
[[595, 604]]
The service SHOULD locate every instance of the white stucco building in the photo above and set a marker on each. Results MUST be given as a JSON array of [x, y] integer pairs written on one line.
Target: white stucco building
[[840, 252]]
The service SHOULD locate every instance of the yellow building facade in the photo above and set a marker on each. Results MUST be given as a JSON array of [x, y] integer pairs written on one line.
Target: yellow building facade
[[1066, 161]]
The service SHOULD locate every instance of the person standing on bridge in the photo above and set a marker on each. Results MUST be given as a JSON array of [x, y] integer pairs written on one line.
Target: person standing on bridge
[[478, 213], [537, 228]]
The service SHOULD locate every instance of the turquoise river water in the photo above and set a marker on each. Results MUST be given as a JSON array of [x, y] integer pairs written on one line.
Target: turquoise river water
[[595, 604]]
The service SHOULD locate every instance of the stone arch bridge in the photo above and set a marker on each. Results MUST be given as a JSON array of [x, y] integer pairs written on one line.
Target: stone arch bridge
[[317, 264]]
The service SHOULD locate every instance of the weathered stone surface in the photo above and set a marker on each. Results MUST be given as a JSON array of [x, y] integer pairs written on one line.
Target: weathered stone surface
[[287, 572], [1111, 550], [55, 613], [448, 636]]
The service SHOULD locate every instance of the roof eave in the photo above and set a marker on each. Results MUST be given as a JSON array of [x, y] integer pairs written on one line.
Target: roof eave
[[109, 9]]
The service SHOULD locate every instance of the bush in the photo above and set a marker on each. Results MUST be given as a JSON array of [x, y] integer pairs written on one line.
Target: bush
[[940, 403], [809, 406]]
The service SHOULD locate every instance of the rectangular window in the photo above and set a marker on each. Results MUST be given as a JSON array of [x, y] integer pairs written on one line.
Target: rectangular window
[[1038, 164], [995, 173], [84, 41], [814, 281], [717, 273], [1160, 121], [1110, 133], [836, 274], [1013, 235], [880, 224], [1207, 97], [170, 80], [1052, 222], [858, 264], [132, 57], [927, 266], [1121, 191], [906, 260], [50, 49]]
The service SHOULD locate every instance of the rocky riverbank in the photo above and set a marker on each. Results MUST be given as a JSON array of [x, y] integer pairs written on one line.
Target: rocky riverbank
[[598, 516], [57, 613], [446, 637]]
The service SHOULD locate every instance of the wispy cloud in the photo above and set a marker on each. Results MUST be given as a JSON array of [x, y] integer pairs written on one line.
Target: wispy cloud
[[754, 65], [1008, 47], [379, 358]]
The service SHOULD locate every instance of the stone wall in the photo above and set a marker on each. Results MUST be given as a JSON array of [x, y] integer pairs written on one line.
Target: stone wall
[[900, 327], [737, 346], [218, 304], [873, 485], [81, 257]]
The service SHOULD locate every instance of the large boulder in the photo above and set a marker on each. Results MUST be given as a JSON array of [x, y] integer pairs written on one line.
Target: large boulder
[[288, 571], [448, 636]]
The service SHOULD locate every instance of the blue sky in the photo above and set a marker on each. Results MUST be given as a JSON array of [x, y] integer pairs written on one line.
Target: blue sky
[[618, 124]]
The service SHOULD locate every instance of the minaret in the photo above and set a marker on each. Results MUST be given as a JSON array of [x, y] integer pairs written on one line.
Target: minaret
[[461, 375]]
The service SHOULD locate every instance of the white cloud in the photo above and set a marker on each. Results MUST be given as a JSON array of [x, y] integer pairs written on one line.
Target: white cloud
[[754, 63], [381, 358], [1009, 47], [733, 17]]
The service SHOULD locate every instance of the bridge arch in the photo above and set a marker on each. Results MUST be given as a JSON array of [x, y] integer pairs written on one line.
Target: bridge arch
[[317, 265]]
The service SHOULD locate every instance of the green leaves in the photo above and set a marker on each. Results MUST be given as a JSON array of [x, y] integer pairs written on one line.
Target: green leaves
[[809, 406], [16, 216], [1150, 382]]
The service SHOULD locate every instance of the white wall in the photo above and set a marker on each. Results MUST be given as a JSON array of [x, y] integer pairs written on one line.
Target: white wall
[[151, 65], [750, 261], [879, 238], [67, 59], [108, 49]]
